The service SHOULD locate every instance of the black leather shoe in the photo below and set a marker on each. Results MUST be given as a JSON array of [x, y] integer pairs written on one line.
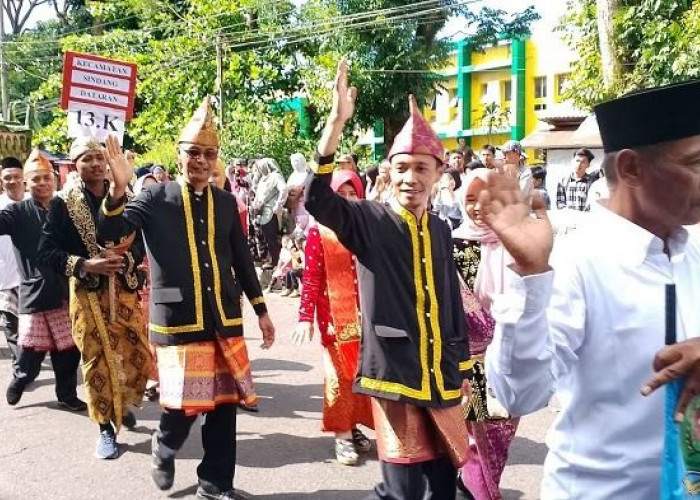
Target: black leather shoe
[[162, 471], [14, 392], [129, 420], [72, 404], [211, 493]]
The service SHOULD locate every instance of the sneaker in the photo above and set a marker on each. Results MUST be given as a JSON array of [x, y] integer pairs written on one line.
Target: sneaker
[[129, 420], [213, 493], [294, 294], [107, 447], [14, 392], [345, 452], [162, 471], [361, 442], [285, 292], [72, 404]]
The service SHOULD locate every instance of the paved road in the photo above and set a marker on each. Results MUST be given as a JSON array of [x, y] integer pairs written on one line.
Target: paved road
[[46, 453]]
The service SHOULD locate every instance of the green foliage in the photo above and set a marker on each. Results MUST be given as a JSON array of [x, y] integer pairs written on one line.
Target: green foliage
[[271, 51], [256, 131], [395, 51], [656, 40], [164, 153], [494, 117]]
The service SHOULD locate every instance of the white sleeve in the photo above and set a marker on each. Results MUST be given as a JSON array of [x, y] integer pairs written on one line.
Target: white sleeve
[[540, 326]]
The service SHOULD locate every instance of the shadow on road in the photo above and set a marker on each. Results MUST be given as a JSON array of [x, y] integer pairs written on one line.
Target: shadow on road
[[187, 492], [266, 364], [288, 450], [524, 451], [279, 400], [512, 494], [317, 495]]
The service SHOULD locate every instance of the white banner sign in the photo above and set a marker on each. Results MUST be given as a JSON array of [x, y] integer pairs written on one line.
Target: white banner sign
[[95, 122], [93, 64], [101, 81]]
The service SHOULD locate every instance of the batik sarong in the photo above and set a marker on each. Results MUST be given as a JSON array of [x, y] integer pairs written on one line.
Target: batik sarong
[[115, 355], [46, 331], [198, 376]]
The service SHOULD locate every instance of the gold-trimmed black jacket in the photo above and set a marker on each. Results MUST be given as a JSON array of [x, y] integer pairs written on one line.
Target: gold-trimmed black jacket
[[414, 335], [198, 258]]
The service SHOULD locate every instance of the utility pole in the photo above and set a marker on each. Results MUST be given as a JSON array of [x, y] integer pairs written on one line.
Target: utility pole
[[220, 78], [3, 64]]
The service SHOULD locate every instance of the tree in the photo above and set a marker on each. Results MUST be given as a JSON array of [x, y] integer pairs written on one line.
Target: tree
[[18, 12], [394, 49], [494, 117], [611, 65], [654, 43], [173, 44]]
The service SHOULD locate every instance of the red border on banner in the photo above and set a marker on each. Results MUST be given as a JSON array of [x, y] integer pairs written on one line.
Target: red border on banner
[[68, 68]]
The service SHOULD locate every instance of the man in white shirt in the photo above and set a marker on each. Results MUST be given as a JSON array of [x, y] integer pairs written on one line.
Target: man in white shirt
[[588, 327], [13, 184]]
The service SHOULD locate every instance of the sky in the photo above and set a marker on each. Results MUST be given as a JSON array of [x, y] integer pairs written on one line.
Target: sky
[[550, 10]]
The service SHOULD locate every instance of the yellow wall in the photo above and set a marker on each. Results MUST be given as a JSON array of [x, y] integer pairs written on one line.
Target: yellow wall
[[491, 54], [547, 57]]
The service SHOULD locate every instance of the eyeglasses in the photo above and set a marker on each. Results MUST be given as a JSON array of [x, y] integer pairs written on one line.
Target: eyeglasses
[[209, 154]]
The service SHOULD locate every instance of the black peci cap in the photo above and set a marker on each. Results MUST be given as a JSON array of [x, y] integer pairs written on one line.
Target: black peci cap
[[650, 116]]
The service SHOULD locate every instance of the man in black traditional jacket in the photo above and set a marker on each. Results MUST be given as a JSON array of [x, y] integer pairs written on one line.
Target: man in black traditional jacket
[[44, 324], [414, 343], [198, 258], [108, 325]]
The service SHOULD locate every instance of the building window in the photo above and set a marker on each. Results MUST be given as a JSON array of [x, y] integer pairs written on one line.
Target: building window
[[561, 81], [540, 93], [507, 91], [484, 91], [541, 87]]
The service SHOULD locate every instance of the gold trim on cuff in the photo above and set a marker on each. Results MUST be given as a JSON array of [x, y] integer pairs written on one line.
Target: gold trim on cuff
[[112, 213], [70, 265], [257, 301], [322, 169]]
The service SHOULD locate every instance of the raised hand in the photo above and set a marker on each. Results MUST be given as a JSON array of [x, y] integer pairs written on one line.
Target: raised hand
[[121, 169], [343, 108], [528, 239], [343, 96]]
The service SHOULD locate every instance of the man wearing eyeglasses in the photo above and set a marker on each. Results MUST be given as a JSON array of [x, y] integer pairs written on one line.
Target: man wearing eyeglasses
[[199, 260]]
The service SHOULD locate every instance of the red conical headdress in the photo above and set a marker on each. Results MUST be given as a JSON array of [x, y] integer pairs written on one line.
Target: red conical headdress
[[417, 137]]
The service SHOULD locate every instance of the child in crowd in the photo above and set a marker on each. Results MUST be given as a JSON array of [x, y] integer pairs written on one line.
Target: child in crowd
[[284, 265], [293, 276]]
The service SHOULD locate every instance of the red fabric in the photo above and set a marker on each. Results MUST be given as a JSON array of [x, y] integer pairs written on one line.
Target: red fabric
[[314, 296], [417, 136], [243, 213]]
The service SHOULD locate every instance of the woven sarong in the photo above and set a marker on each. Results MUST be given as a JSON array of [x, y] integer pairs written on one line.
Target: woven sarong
[[46, 331], [409, 434], [198, 376]]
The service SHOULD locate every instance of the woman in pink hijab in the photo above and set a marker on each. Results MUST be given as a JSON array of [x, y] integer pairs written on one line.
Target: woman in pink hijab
[[491, 430]]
